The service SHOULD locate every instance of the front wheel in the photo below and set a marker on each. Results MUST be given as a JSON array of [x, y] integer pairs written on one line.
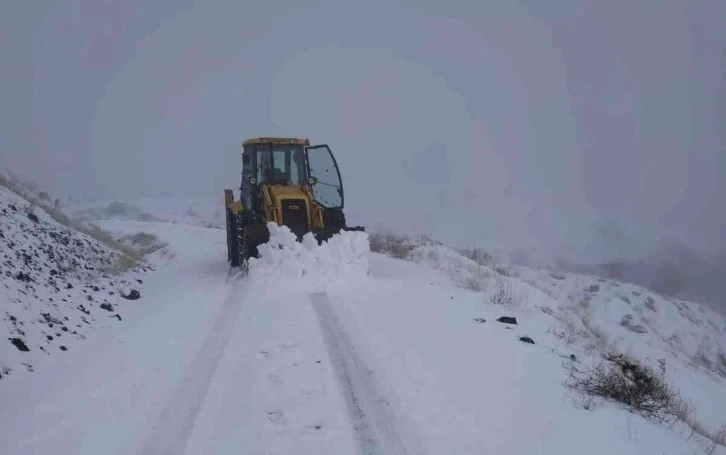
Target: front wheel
[[232, 243]]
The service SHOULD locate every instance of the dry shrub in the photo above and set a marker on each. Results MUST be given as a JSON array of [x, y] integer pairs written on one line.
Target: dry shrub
[[625, 381], [503, 293], [391, 244], [478, 255]]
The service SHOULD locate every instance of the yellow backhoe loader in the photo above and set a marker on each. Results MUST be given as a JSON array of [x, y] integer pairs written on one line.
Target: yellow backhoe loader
[[289, 182]]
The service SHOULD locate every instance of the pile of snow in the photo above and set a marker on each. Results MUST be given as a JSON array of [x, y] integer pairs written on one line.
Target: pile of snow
[[56, 284], [342, 259]]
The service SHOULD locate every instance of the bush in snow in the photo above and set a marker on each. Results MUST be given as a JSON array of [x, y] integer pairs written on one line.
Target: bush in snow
[[503, 294], [624, 380], [478, 255], [393, 245]]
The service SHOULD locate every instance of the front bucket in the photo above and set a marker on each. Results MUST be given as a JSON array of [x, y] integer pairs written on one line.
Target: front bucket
[[324, 234]]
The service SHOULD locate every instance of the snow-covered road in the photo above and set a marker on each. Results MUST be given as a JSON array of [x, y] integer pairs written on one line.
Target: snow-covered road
[[373, 424], [169, 435], [311, 361]]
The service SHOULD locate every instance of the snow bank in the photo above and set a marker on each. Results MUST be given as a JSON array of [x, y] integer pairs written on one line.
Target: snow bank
[[283, 261]]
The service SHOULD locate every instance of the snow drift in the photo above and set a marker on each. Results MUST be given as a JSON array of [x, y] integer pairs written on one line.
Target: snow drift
[[307, 265]]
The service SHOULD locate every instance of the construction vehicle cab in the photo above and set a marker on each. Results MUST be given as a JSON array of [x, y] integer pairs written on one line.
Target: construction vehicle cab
[[289, 182]]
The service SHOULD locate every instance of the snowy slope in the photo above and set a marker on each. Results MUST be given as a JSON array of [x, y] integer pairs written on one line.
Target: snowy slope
[[596, 316], [57, 285], [202, 213], [335, 349]]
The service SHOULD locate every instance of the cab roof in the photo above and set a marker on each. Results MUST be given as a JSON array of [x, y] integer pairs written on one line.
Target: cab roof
[[276, 140]]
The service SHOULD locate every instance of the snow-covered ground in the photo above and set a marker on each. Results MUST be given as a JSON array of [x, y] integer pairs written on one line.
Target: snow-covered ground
[[336, 349]]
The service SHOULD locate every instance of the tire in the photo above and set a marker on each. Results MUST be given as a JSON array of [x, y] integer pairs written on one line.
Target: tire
[[232, 243], [242, 250]]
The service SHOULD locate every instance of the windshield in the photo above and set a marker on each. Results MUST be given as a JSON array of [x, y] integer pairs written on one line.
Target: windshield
[[282, 164]]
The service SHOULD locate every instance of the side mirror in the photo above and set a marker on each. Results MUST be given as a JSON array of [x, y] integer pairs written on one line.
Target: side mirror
[[312, 181]]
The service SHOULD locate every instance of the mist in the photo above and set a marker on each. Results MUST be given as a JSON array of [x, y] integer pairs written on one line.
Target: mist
[[585, 131]]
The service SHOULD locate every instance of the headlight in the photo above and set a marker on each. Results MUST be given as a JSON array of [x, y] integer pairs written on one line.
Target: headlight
[[252, 180], [312, 181]]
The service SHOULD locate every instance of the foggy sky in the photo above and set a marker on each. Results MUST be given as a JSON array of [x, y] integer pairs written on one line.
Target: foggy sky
[[586, 128]]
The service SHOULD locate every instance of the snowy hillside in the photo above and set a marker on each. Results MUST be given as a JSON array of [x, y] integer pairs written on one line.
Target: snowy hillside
[[56, 285], [202, 213], [594, 316], [335, 349]]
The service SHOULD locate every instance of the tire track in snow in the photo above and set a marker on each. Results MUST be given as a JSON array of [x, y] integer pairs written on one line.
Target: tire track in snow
[[373, 425], [174, 426]]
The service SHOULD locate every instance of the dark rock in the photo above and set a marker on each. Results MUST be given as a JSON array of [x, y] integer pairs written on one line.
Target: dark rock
[[507, 320], [13, 208], [594, 288], [480, 320], [96, 289], [573, 358], [50, 319], [33, 217], [20, 344], [132, 295], [21, 276], [69, 286], [107, 306], [117, 316], [53, 272], [526, 340], [139, 280], [50, 338], [63, 348]]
